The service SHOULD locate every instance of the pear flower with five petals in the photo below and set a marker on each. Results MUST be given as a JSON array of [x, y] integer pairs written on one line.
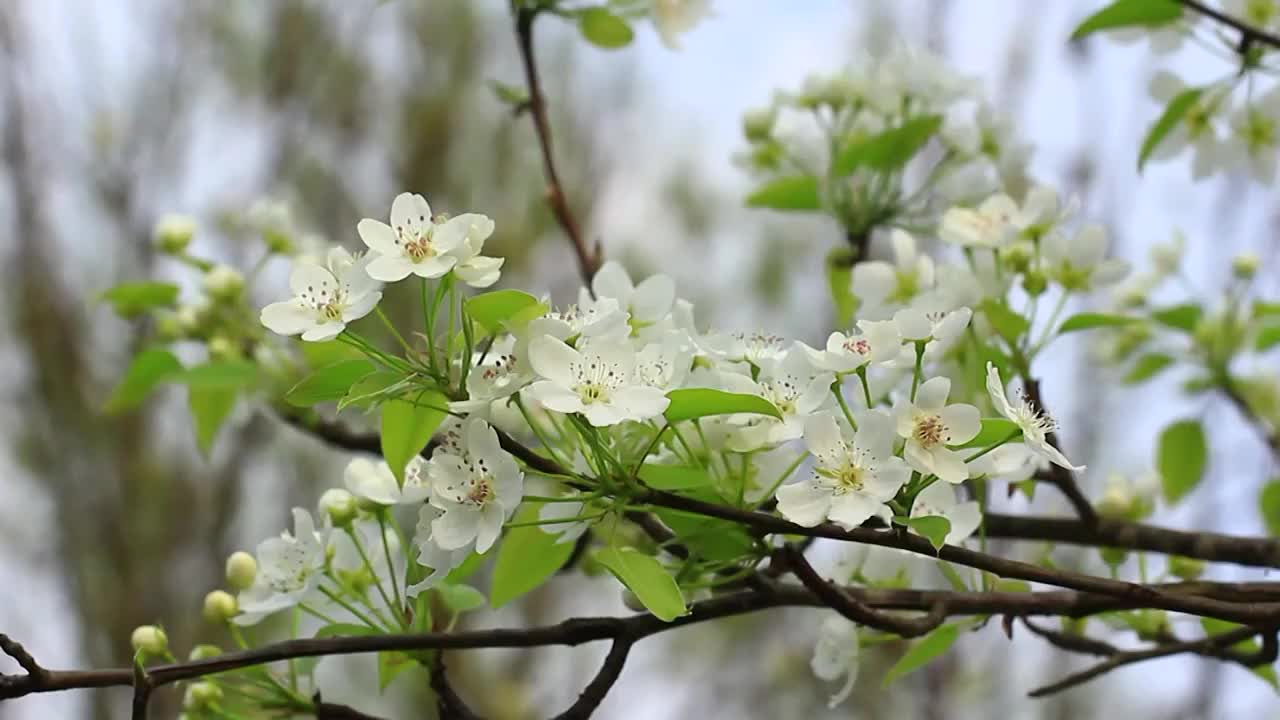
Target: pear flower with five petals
[[375, 483], [597, 379], [326, 297], [930, 425], [289, 570], [939, 500], [478, 490], [852, 479], [1035, 425], [417, 242]]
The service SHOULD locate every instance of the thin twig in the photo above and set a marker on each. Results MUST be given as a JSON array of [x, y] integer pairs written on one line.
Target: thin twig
[[600, 685], [448, 703], [851, 608], [1250, 33]]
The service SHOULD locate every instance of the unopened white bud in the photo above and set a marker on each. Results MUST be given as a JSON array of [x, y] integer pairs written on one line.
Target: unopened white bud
[[201, 695], [173, 233], [757, 124], [1245, 265], [224, 282], [204, 652], [340, 505], [219, 606], [150, 640], [241, 570]]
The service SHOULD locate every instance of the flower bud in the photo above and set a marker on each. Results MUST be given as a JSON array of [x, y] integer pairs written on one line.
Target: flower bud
[[173, 233], [168, 327], [1186, 568], [1117, 503], [1113, 557], [149, 640], [224, 282], [339, 505], [201, 695], [1034, 282], [241, 570], [278, 242], [219, 606], [204, 652], [757, 124], [1245, 265], [223, 348], [1017, 256]]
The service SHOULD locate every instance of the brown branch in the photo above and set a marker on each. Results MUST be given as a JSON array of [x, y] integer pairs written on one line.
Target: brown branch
[[852, 608], [448, 703], [1249, 33], [1060, 477], [600, 685], [588, 259], [333, 711], [1072, 642]]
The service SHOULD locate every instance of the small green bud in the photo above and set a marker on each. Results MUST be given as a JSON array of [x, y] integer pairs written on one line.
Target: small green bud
[[277, 242], [220, 606], [241, 570], [340, 505], [1113, 557], [1245, 265], [757, 124], [204, 652], [168, 327], [173, 233], [224, 282], [1017, 256], [223, 348], [1186, 568], [1116, 503], [149, 640], [201, 695], [1034, 282]]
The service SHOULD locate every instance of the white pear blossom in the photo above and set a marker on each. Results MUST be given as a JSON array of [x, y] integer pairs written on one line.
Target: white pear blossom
[[943, 327], [1079, 263], [851, 479], [375, 483], [326, 297], [598, 380], [998, 219], [431, 555], [794, 386], [929, 424], [1197, 129], [882, 285], [939, 499], [504, 371], [418, 243], [478, 490], [836, 655], [879, 341], [289, 570], [603, 318], [754, 348], [673, 18], [1012, 462], [665, 364], [474, 269], [1034, 424], [1254, 140], [647, 304]]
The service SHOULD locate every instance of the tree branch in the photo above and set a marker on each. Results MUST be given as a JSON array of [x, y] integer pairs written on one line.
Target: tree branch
[[1249, 33], [588, 259], [448, 703], [600, 685], [850, 607]]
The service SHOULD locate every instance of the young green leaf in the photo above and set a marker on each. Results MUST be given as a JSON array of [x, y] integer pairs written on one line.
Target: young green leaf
[[690, 403], [1009, 324], [889, 150], [926, 649], [1147, 367], [604, 29], [147, 370], [366, 391], [1181, 456], [407, 426], [673, 477], [1268, 338], [132, 299], [344, 630], [220, 375], [1269, 506], [1085, 321], [645, 576], [706, 537], [1177, 109], [1128, 13], [328, 384], [210, 406], [933, 528], [1179, 317], [1214, 626], [993, 431], [526, 558], [460, 598], [504, 310], [391, 664], [791, 192]]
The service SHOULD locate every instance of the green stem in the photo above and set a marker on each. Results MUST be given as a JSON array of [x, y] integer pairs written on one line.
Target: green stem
[[652, 444], [392, 328], [391, 567], [352, 609], [557, 521], [915, 376], [364, 557], [429, 320], [989, 448], [866, 387], [537, 431], [781, 479], [844, 406]]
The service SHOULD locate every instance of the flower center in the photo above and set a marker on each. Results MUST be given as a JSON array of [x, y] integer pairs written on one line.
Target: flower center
[[481, 491], [929, 430], [857, 345], [591, 392], [595, 380]]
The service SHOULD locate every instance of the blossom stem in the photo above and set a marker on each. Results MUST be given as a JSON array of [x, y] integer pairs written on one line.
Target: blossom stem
[[398, 612], [993, 446], [392, 328], [562, 498], [316, 614], [429, 321], [652, 444], [555, 521], [778, 483], [537, 430], [844, 406], [866, 387], [915, 376], [352, 609], [364, 557]]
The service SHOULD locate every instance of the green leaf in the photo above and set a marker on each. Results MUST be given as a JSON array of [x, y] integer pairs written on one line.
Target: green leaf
[[345, 630], [1177, 109], [512, 95], [673, 477], [791, 192], [956, 581], [132, 299], [407, 426], [604, 29], [993, 431], [220, 375], [526, 558], [1180, 317], [460, 598], [1181, 455], [504, 310], [210, 406], [1010, 585], [147, 370], [840, 283], [321, 354], [926, 649], [889, 150], [328, 384], [1009, 324], [1263, 308], [645, 576], [1085, 321], [933, 528], [1213, 626], [1127, 13], [1147, 367], [708, 538], [1269, 506], [391, 664], [1268, 338], [690, 403], [372, 387]]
